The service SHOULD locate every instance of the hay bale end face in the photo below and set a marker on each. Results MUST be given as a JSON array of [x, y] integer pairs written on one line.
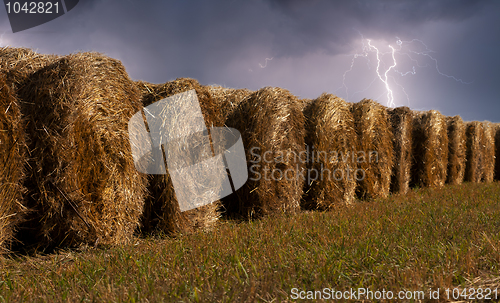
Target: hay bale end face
[[475, 152], [272, 127], [12, 159], [456, 150], [331, 141], [430, 149], [402, 124], [162, 212], [83, 183], [375, 155]]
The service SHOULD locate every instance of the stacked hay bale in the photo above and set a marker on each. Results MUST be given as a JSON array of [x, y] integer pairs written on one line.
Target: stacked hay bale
[[475, 150], [12, 159], [162, 211], [228, 98], [82, 184], [375, 151], [456, 150], [402, 125], [489, 152], [430, 149], [331, 139], [272, 127]]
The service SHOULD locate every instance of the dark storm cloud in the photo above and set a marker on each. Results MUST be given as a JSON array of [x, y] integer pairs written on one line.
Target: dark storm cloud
[[289, 28], [308, 25], [227, 41]]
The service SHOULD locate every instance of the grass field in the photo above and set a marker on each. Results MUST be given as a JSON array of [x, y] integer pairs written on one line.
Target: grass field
[[434, 239]]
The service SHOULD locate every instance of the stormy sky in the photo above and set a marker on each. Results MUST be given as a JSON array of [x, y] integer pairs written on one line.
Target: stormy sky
[[431, 54]]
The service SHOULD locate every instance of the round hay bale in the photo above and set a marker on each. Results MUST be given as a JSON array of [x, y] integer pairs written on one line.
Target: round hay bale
[[430, 149], [12, 159], [456, 150], [489, 152], [331, 141], [475, 152], [22, 62], [375, 155], [402, 124], [162, 211], [228, 98], [83, 183], [272, 127]]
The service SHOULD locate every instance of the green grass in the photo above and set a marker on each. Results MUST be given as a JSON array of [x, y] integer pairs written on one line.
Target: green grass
[[426, 239]]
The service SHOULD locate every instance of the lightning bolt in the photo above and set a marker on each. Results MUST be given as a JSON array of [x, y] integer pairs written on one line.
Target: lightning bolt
[[265, 64], [425, 53], [386, 73], [384, 79], [364, 55]]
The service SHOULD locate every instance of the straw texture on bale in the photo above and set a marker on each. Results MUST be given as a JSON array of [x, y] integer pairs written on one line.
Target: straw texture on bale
[[12, 158], [489, 152], [162, 211], [475, 152], [82, 183], [331, 139], [272, 127], [22, 62], [228, 98], [456, 150], [430, 149], [402, 125], [305, 103], [375, 155]]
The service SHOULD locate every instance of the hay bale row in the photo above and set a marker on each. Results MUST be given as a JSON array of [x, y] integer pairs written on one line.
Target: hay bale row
[[456, 150], [475, 152], [430, 149], [271, 123], [12, 158], [83, 186], [331, 140], [488, 152], [375, 149], [402, 125], [162, 212]]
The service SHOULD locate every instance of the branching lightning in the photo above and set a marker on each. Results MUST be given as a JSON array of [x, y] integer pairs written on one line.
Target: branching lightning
[[426, 54], [386, 69], [390, 94], [265, 64]]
